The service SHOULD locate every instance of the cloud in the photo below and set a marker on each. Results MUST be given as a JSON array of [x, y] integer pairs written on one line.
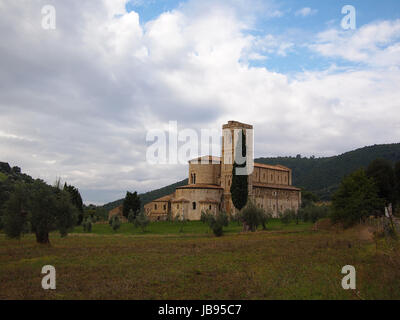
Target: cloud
[[304, 12], [271, 44], [375, 44], [77, 102]]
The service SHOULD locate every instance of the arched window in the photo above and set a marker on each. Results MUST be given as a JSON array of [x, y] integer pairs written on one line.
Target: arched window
[[194, 205], [210, 207]]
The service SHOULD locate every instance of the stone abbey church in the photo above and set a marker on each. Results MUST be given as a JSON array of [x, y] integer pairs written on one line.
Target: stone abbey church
[[270, 187]]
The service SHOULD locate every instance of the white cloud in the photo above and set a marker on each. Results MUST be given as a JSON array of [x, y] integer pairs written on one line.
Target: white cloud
[[86, 94], [269, 45], [375, 44], [304, 12]]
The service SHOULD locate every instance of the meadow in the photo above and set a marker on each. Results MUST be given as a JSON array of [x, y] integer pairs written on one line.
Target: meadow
[[285, 262]]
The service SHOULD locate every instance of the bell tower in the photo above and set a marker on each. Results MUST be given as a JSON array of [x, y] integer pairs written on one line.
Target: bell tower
[[231, 133]]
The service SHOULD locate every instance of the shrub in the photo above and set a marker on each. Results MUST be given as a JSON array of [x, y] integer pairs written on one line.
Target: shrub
[[215, 222], [251, 216], [264, 217], [131, 216], [142, 221], [356, 198], [87, 225], [236, 217], [314, 213], [287, 216], [181, 220], [115, 223], [206, 217], [218, 223]]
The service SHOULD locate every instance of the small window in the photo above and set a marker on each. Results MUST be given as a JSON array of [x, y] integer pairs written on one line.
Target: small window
[[194, 205], [177, 206], [165, 207], [155, 207], [209, 207]]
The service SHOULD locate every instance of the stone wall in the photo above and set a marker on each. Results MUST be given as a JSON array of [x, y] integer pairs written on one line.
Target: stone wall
[[192, 201], [205, 173], [276, 200]]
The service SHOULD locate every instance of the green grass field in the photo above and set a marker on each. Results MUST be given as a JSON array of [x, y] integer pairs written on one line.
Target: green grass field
[[192, 227], [285, 262]]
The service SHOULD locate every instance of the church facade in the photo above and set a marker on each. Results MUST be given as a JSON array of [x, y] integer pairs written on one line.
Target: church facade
[[210, 178]]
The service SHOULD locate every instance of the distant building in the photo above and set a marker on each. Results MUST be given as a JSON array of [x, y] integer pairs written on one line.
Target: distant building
[[210, 179], [117, 212]]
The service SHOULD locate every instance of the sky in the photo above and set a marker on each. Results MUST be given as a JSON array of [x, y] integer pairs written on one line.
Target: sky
[[77, 101]]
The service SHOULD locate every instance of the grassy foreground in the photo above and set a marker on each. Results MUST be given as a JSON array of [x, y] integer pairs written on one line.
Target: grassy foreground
[[191, 227], [291, 262]]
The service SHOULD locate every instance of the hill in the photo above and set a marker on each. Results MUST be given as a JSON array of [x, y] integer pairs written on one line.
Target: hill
[[319, 175], [323, 175], [9, 176], [149, 196]]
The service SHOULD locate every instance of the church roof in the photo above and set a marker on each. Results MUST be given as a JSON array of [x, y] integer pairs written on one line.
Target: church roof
[[200, 186], [275, 186], [268, 166], [165, 198], [213, 159], [180, 200]]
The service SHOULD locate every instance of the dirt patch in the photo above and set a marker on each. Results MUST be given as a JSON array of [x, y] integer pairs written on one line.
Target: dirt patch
[[364, 233], [327, 225]]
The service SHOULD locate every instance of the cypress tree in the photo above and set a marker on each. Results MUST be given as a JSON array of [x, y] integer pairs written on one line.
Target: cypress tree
[[239, 187], [131, 202]]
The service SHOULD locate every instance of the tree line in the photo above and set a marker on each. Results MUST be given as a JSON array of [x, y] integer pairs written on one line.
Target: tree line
[[36, 207]]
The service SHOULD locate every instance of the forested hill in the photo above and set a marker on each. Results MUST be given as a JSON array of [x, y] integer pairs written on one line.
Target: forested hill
[[320, 175], [149, 196], [323, 175], [12, 174]]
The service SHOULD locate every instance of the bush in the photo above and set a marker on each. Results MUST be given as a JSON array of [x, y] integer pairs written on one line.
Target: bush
[[131, 216], [287, 216], [356, 198], [115, 223], [206, 217], [215, 222], [236, 217], [314, 213], [142, 221], [87, 225], [251, 216], [181, 220], [264, 217]]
